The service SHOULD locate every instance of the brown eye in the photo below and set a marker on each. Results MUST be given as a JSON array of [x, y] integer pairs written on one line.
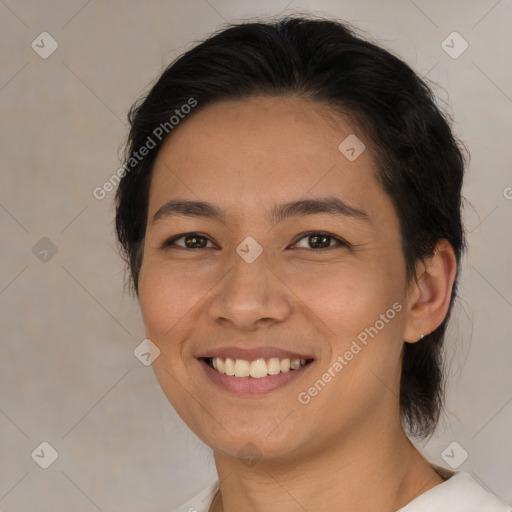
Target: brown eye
[[195, 242], [190, 241], [320, 241]]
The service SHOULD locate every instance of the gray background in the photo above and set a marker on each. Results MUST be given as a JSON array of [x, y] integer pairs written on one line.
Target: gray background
[[68, 375]]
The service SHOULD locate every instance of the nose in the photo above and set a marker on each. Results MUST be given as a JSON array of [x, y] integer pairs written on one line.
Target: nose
[[251, 296]]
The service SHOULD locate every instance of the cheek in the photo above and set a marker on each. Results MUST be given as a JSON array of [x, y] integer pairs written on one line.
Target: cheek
[[167, 299], [168, 295], [359, 306], [347, 297], [362, 307]]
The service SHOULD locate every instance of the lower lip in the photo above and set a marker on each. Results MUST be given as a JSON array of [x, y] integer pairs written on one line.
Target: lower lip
[[250, 385]]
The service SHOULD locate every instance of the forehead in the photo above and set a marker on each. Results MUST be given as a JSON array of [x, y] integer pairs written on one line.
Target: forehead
[[246, 154]]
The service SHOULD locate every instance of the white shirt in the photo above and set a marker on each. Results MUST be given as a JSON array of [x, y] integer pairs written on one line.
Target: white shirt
[[460, 493]]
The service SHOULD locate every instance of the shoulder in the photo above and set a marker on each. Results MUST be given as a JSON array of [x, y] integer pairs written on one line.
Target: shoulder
[[201, 501], [460, 493]]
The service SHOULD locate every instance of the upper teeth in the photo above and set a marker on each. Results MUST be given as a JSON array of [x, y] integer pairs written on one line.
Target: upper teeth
[[257, 368]]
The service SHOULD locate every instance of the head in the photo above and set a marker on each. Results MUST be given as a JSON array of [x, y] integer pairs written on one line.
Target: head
[[254, 117]]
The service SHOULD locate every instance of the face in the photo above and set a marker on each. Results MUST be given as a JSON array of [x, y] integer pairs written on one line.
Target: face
[[296, 257]]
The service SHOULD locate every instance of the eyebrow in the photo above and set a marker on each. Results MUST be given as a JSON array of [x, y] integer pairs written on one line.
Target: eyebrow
[[304, 207]]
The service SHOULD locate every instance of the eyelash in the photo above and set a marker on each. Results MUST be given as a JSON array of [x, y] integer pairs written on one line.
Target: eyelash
[[341, 243]]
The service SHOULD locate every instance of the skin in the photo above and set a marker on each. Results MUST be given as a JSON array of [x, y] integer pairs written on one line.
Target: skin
[[245, 156]]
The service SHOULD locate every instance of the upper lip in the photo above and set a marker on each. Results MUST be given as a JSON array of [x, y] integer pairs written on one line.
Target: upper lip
[[251, 354]]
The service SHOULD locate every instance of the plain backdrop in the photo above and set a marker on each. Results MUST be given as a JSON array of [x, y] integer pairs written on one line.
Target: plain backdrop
[[68, 374]]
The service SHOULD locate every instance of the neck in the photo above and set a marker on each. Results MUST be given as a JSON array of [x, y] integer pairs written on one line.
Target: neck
[[372, 469]]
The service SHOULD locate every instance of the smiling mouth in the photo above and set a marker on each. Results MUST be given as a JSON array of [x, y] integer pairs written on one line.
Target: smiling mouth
[[257, 369]]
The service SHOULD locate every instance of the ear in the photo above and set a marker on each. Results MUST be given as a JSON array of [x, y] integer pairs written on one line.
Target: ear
[[429, 294]]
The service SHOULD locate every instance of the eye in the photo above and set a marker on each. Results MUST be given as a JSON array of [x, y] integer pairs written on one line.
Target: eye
[[191, 241], [319, 240], [314, 240]]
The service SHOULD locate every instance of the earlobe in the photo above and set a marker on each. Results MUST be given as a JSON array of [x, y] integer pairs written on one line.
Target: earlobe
[[430, 294]]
